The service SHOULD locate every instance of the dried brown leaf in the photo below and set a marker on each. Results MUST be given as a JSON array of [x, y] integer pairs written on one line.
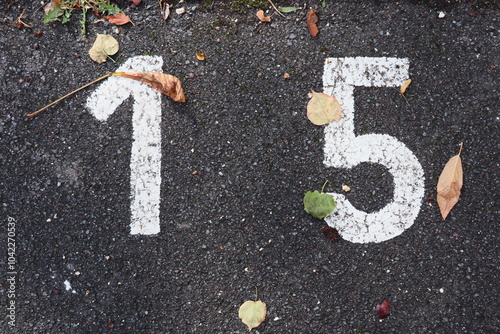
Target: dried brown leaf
[[450, 184], [404, 86], [164, 83], [118, 19], [262, 17], [311, 20], [164, 9]]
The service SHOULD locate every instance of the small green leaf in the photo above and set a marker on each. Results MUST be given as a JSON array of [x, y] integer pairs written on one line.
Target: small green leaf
[[318, 204], [52, 15], [288, 9], [108, 9]]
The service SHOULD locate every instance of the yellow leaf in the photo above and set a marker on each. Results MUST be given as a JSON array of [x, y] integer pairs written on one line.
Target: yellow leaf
[[404, 86], [164, 83], [200, 56], [346, 188], [323, 109], [450, 184], [262, 17], [252, 313], [104, 46]]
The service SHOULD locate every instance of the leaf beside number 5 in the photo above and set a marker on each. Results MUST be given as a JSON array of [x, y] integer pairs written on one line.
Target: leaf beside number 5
[[450, 184]]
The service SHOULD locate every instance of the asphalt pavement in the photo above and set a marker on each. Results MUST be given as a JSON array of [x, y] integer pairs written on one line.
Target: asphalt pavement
[[126, 212]]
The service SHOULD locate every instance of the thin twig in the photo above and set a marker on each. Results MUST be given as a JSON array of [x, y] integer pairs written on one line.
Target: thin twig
[[276, 9], [65, 96]]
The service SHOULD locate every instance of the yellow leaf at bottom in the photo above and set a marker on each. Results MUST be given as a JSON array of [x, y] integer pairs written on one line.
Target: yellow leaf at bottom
[[252, 313]]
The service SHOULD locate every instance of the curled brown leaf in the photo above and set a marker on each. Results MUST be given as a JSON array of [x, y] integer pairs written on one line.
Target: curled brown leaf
[[311, 20], [262, 17], [164, 83], [118, 19]]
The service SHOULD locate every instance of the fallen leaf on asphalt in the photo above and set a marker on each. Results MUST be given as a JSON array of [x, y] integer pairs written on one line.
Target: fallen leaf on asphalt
[[311, 20], [104, 46], [200, 56], [331, 233], [286, 76], [136, 2], [323, 109], [288, 9], [252, 313], [164, 9], [383, 309], [346, 188], [404, 86], [262, 17], [319, 204], [118, 19], [450, 184], [164, 83]]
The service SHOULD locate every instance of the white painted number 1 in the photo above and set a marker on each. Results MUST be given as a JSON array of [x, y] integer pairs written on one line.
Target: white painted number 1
[[145, 160], [344, 150]]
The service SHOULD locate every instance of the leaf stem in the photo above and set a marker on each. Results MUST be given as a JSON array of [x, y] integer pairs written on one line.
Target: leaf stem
[[65, 96], [461, 146], [324, 184]]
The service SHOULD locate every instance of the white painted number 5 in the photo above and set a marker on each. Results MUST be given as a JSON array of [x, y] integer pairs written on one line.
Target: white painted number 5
[[344, 150]]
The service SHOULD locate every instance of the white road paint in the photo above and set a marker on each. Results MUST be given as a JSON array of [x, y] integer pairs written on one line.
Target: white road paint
[[344, 150], [145, 160]]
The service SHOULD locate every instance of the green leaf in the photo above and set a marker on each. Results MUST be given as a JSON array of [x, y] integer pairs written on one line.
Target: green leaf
[[66, 16], [288, 9], [318, 204], [108, 9], [53, 15], [252, 313]]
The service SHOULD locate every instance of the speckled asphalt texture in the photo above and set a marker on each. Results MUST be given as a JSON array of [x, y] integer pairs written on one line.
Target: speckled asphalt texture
[[238, 223]]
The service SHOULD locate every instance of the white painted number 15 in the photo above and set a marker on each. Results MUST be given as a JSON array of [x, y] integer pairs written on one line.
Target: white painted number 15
[[342, 148]]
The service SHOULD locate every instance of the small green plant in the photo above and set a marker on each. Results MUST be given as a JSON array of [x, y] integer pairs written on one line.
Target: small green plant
[[61, 10]]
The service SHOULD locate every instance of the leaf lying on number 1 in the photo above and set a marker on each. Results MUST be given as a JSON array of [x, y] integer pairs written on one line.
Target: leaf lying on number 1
[[450, 184], [164, 83]]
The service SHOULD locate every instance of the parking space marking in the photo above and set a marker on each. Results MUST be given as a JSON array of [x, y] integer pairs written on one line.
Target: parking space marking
[[343, 149], [145, 160]]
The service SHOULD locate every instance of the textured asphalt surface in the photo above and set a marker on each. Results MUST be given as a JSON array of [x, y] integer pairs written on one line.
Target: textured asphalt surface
[[238, 223]]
